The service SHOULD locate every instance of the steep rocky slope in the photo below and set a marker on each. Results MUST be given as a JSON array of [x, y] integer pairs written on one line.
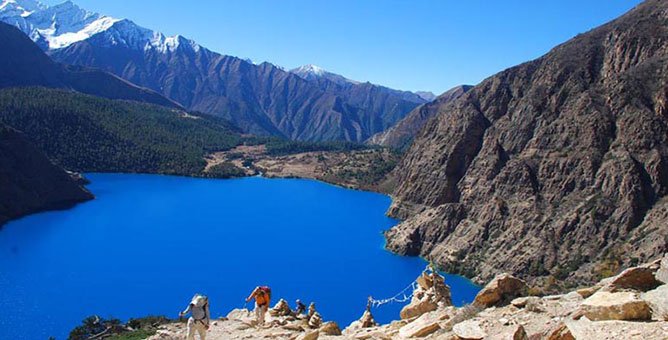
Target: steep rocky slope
[[556, 168], [402, 133], [22, 63], [29, 182]]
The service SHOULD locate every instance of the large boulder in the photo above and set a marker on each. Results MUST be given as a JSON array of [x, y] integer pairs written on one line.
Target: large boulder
[[430, 294], [469, 330], [330, 328], [503, 288], [424, 325], [662, 273], [615, 306], [657, 300], [637, 278], [616, 329]]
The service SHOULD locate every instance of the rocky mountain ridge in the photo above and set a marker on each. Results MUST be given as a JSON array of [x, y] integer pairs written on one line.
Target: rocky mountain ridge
[[553, 169], [261, 99], [22, 63]]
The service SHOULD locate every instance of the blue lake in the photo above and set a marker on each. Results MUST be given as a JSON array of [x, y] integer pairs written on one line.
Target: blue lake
[[147, 243]]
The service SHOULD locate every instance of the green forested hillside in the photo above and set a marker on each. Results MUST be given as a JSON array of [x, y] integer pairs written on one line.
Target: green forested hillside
[[86, 133]]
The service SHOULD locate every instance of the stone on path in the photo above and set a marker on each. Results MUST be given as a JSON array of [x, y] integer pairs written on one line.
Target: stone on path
[[503, 287], [469, 330], [424, 325], [616, 306], [330, 328], [636, 278]]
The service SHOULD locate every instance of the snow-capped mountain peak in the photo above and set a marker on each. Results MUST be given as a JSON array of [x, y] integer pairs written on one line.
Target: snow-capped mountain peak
[[312, 72], [310, 69], [59, 26], [23, 7]]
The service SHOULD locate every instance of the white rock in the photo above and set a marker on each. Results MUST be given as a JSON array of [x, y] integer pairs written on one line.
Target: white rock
[[469, 330], [658, 302]]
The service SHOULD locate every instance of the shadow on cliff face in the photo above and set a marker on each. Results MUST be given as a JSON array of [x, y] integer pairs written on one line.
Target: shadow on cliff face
[[556, 167]]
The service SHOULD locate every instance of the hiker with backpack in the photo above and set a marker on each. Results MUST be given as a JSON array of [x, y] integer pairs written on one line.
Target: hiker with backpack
[[199, 316], [262, 296]]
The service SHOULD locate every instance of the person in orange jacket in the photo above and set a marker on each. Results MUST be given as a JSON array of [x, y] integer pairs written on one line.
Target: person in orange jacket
[[262, 296]]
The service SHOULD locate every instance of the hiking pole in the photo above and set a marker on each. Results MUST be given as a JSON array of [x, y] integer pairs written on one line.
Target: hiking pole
[[248, 313]]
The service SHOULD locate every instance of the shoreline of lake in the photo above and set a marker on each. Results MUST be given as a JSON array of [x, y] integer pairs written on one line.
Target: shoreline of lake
[[144, 236]]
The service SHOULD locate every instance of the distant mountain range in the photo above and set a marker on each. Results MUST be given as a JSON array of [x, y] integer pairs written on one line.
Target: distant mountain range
[[22, 63], [304, 104]]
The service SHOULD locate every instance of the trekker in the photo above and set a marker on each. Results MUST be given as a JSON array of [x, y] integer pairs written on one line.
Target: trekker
[[262, 296], [199, 316], [301, 307]]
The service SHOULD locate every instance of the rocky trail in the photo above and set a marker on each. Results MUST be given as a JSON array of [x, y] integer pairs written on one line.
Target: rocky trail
[[630, 305]]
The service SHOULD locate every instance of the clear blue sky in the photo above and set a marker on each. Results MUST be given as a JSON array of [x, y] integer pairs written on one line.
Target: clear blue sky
[[405, 44]]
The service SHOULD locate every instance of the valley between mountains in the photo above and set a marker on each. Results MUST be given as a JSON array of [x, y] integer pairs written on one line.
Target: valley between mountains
[[554, 171]]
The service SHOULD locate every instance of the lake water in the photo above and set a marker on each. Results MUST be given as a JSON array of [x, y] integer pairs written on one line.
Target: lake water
[[148, 243]]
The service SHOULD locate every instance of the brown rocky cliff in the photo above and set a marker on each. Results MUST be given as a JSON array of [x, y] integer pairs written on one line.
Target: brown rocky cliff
[[29, 182], [556, 167], [402, 133]]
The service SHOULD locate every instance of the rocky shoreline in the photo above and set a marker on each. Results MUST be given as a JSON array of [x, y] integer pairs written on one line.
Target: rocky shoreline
[[360, 169]]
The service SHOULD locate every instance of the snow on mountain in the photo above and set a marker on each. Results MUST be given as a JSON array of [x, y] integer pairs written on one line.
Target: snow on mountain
[[310, 69], [312, 72], [59, 26], [20, 7], [316, 74]]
